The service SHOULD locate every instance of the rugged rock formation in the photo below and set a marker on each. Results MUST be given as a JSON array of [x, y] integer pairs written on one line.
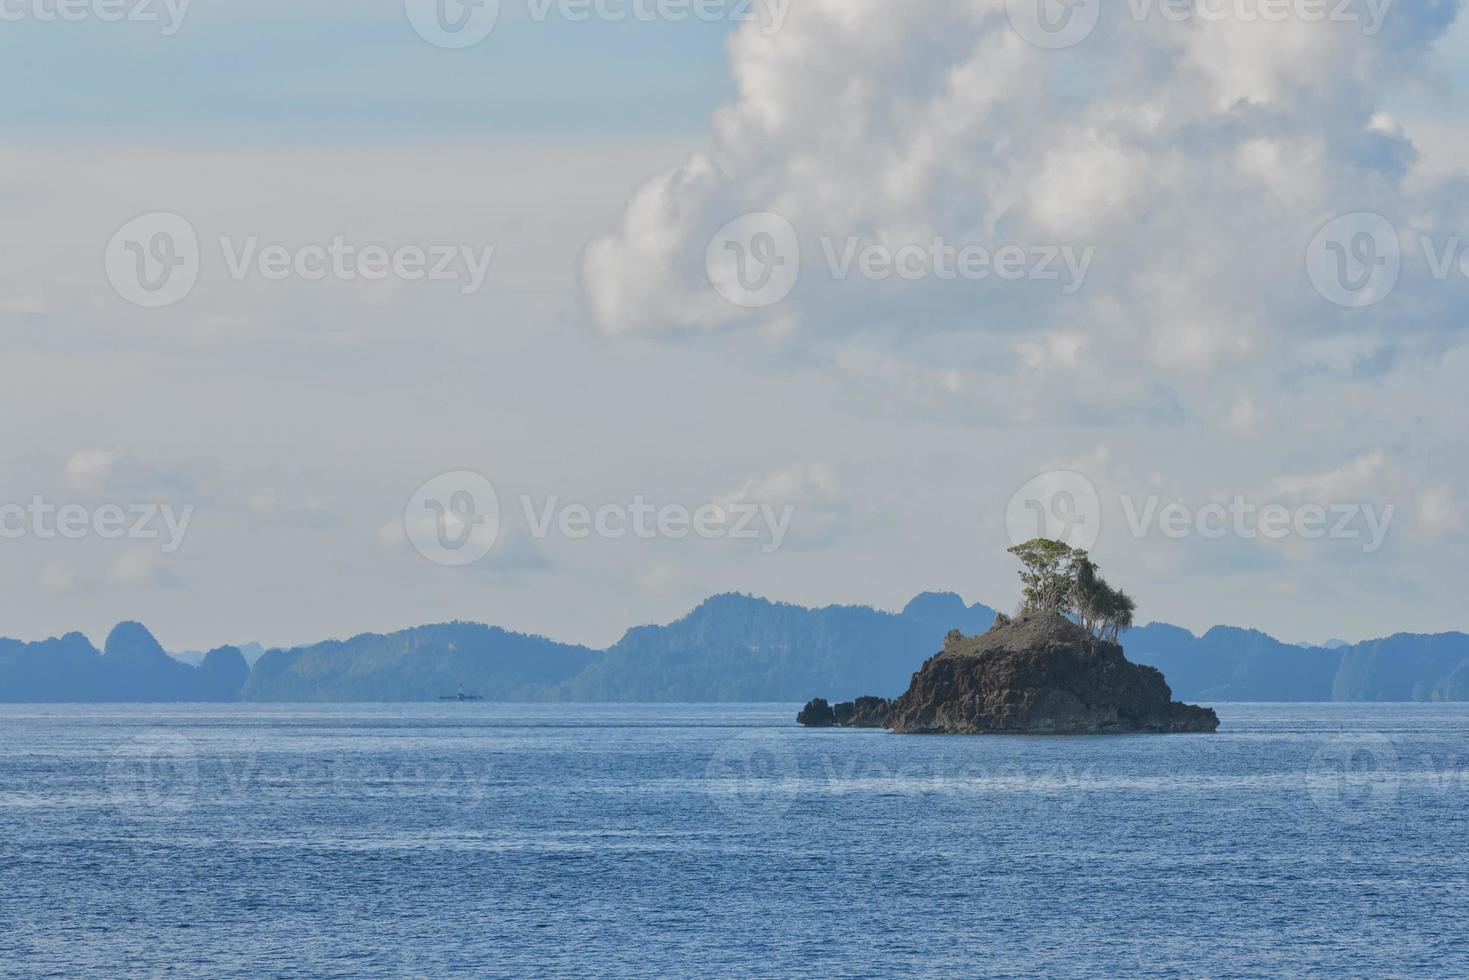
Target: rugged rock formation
[[816, 714], [1036, 675], [865, 712]]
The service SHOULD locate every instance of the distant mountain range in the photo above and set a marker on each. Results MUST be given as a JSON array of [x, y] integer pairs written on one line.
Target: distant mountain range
[[130, 667], [250, 651], [732, 648]]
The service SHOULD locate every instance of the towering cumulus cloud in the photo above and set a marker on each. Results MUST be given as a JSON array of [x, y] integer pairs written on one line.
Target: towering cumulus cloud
[[1134, 206]]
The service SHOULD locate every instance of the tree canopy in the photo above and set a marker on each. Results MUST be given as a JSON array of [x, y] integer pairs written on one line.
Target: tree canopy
[[1061, 579]]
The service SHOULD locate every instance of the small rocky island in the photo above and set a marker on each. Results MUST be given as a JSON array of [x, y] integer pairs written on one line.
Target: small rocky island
[[1056, 669]]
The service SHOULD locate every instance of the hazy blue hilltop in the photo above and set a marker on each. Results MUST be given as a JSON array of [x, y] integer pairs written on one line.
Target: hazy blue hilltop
[[418, 665], [741, 648], [130, 667], [732, 648], [250, 651], [1405, 667], [1232, 664]]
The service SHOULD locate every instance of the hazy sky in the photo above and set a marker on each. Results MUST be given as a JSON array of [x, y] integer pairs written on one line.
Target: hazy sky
[[1202, 350]]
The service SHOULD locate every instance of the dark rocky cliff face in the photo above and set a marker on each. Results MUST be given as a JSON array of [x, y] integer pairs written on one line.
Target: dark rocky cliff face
[[1037, 675], [868, 712], [1041, 675]]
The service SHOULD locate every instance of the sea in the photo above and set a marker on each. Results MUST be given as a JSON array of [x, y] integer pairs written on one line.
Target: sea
[[482, 840]]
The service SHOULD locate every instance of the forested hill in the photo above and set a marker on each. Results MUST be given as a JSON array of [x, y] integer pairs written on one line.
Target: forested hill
[[732, 648]]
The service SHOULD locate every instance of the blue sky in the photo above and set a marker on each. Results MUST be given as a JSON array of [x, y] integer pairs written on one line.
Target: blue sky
[[237, 75], [283, 72]]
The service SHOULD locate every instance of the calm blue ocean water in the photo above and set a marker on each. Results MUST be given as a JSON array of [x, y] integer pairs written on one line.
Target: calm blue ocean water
[[485, 840]]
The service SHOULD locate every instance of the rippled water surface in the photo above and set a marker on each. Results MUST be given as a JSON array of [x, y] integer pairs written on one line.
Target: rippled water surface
[[486, 840]]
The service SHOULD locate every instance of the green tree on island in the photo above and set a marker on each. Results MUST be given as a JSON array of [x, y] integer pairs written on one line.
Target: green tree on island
[[1064, 580]]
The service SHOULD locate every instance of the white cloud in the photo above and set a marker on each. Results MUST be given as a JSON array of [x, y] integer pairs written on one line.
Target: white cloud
[[1244, 415], [820, 509], [811, 482], [300, 506], [87, 471], [660, 579], [141, 568], [391, 535], [1365, 476], [56, 578], [624, 275], [1439, 512], [1200, 161]]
